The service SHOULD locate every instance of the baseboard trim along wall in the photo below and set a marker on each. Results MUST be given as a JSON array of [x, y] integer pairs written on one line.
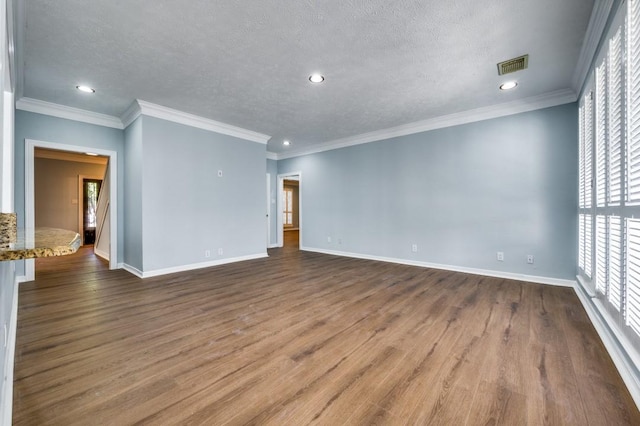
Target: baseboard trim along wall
[[101, 254], [485, 272], [148, 274], [622, 354]]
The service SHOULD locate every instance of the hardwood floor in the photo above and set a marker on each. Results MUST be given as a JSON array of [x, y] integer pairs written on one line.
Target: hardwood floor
[[302, 338]]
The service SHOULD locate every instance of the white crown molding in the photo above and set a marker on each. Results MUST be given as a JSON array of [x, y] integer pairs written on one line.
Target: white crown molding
[[140, 107], [544, 100], [484, 272], [69, 113], [130, 114], [595, 29], [137, 108], [164, 113]]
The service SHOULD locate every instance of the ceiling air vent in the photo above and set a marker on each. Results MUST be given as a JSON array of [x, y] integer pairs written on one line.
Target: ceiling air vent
[[513, 65]]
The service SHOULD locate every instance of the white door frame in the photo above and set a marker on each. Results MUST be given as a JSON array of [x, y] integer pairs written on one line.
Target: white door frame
[[280, 209], [268, 210], [81, 179], [29, 196]]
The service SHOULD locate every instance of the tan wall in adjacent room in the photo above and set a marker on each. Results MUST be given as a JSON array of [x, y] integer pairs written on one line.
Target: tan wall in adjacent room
[[56, 191]]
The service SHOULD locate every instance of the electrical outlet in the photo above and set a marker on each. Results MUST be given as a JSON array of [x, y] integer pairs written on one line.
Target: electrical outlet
[[207, 253], [328, 239], [414, 248], [530, 259], [220, 252], [500, 256]]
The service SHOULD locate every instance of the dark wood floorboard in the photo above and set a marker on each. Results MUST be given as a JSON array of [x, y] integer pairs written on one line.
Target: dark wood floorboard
[[303, 338]]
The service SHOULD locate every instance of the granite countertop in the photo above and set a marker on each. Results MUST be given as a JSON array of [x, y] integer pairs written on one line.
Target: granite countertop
[[48, 242]]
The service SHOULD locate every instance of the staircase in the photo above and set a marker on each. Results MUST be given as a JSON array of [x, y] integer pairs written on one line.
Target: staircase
[[103, 229]]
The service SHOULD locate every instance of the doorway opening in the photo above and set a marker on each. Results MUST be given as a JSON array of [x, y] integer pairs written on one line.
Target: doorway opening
[[290, 210], [73, 219], [89, 215]]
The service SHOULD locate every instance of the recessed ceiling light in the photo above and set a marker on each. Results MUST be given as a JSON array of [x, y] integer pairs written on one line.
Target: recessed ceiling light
[[286, 143], [86, 89], [508, 85], [316, 78], [93, 154]]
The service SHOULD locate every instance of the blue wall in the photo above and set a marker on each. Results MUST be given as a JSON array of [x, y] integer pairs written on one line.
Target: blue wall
[[172, 206], [272, 169], [45, 128], [187, 208], [133, 195], [460, 193]]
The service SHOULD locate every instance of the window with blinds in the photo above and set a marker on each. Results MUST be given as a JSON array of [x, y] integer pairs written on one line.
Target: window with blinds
[[581, 237], [633, 103], [609, 172], [601, 254], [581, 160], [588, 149], [587, 244], [633, 274], [614, 112], [614, 245], [601, 136]]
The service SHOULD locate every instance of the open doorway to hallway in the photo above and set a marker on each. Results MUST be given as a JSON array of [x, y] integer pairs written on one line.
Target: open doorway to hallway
[[67, 187], [290, 210], [70, 218], [88, 215]]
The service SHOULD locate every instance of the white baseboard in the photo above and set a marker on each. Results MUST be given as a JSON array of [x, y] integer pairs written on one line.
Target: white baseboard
[[7, 394], [273, 246], [625, 358], [130, 269], [485, 272], [190, 267], [101, 254]]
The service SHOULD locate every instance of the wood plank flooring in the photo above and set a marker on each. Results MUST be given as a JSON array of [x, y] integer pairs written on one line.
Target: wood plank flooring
[[302, 338]]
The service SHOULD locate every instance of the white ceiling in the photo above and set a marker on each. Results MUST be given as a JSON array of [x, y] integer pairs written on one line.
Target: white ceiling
[[246, 63]]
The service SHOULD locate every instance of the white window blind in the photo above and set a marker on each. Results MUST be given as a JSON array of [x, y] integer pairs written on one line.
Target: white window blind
[[587, 245], [581, 178], [588, 149], [609, 164], [614, 234], [614, 109], [601, 254], [581, 236], [633, 102], [601, 135], [633, 274]]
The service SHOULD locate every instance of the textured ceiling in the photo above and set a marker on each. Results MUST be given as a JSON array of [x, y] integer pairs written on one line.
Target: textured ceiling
[[386, 63]]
